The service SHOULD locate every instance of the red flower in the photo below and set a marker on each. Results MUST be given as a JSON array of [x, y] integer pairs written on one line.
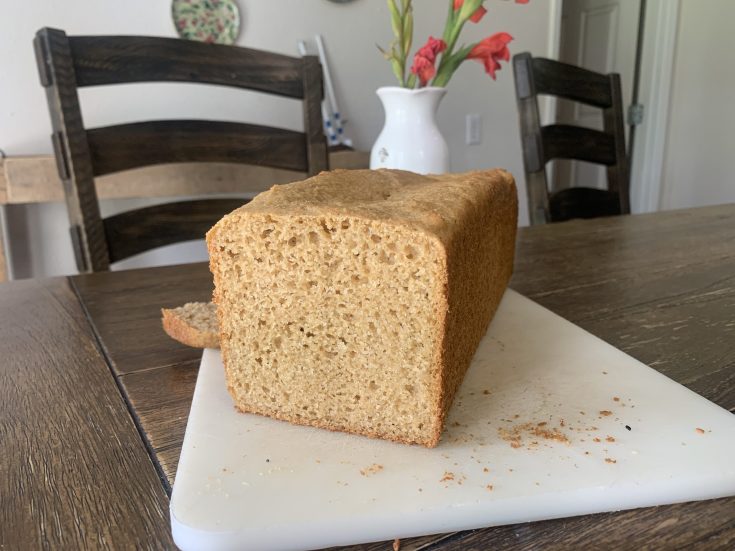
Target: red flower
[[521, 1], [479, 12], [490, 51], [424, 60], [424, 68]]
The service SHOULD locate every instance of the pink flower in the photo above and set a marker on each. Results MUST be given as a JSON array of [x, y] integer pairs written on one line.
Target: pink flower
[[425, 59], [490, 51], [475, 17]]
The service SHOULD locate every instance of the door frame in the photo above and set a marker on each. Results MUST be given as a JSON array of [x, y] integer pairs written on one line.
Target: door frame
[[656, 75], [553, 45]]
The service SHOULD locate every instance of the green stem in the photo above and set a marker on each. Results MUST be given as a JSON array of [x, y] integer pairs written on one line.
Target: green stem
[[452, 30], [396, 20], [450, 22], [453, 62], [446, 35], [406, 38]]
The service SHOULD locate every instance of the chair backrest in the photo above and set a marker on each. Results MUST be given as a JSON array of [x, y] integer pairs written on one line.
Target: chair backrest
[[534, 76], [66, 63]]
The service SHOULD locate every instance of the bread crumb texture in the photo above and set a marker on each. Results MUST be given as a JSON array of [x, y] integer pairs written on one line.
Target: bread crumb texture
[[355, 300]]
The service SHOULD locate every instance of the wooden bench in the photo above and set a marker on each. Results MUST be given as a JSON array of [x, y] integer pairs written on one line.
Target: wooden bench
[[34, 179]]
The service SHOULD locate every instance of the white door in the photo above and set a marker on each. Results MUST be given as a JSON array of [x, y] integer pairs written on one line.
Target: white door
[[599, 35]]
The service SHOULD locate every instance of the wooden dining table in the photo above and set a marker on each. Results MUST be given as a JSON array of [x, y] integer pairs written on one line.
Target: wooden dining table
[[94, 397]]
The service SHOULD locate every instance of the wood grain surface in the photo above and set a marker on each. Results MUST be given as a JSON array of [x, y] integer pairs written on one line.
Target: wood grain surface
[[135, 231], [157, 373], [660, 287], [149, 143], [125, 308], [34, 179], [118, 59], [74, 472], [570, 82], [3, 262]]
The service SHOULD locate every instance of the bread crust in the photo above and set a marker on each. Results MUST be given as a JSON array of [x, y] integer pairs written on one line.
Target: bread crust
[[180, 330], [325, 424]]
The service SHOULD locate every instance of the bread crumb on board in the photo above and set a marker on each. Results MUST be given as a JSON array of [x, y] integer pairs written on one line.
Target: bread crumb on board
[[605, 413], [699, 431], [516, 434], [609, 460], [396, 544], [371, 470]]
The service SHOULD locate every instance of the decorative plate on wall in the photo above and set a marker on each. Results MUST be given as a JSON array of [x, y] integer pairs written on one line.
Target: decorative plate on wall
[[206, 20]]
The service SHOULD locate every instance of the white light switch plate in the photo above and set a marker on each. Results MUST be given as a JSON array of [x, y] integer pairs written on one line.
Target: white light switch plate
[[473, 129]]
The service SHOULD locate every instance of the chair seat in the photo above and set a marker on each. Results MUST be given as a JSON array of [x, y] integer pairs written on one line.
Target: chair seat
[[583, 202]]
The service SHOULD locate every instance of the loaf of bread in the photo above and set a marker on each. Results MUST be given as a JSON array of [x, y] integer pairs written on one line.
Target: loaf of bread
[[355, 300]]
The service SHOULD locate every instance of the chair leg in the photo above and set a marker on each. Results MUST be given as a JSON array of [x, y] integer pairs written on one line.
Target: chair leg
[[4, 270], [538, 198]]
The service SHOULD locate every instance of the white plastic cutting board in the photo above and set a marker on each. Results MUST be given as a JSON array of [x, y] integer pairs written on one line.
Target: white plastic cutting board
[[249, 482]]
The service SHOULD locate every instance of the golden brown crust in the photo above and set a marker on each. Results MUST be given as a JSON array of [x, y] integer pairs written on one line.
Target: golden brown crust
[[392, 196], [180, 329], [324, 424], [479, 266]]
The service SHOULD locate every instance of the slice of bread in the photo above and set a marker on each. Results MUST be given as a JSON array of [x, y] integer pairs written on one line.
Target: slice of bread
[[355, 300], [193, 324]]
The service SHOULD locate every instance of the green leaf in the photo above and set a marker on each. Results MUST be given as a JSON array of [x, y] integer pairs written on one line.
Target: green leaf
[[397, 69], [411, 81], [463, 52], [450, 22], [395, 18], [407, 33], [450, 65]]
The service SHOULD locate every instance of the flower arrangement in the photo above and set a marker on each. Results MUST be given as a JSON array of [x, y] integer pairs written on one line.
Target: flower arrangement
[[437, 60]]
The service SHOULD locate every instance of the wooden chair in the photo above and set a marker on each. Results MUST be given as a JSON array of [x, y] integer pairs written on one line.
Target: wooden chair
[[535, 76], [66, 63]]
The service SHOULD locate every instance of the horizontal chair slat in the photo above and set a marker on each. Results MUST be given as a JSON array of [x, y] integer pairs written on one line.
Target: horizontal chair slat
[[133, 232], [126, 146], [570, 82], [115, 59], [573, 142]]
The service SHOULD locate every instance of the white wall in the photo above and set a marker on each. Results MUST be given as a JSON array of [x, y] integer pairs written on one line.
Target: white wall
[[39, 233], [701, 129]]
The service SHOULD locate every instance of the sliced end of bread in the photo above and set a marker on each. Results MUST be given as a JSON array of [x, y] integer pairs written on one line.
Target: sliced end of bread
[[193, 324], [344, 323]]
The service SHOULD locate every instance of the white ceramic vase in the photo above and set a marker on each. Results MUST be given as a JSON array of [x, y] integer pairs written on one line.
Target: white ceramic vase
[[410, 139]]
